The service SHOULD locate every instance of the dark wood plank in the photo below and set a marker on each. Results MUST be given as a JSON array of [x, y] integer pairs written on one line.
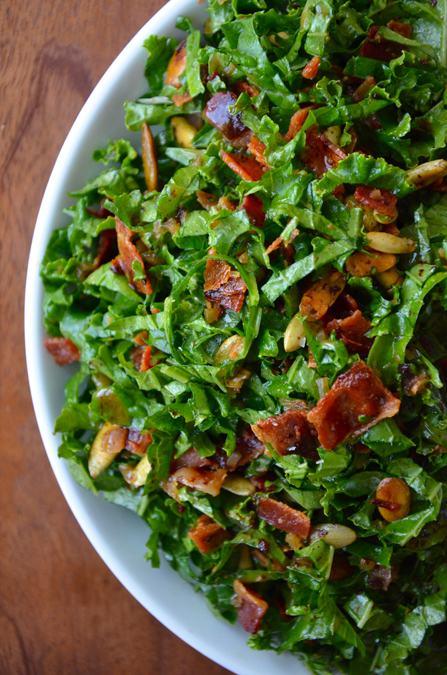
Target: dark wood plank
[[61, 610]]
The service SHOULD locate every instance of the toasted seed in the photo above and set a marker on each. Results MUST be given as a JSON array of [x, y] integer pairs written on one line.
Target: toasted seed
[[238, 485], [389, 278], [136, 475], [383, 219], [294, 541], [231, 348], [294, 335], [149, 158], [184, 131], [322, 295], [99, 458], [333, 534], [361, 264], [389, 243], [369, 222], [427, 173], [235, 383], [333, 134], [394, 495]]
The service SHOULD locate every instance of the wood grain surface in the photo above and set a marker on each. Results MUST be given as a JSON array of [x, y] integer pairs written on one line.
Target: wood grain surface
[[62, 612]]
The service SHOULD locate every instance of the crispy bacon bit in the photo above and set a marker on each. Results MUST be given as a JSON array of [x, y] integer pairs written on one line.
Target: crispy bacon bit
[[206, 200], [246, 166], [198, 473], [137, 443], [141, 358], [208, 480], [254, 208], [403, 29], [352, 330], [363, 89], [222, 286], [248, 447], [321, 154], [217, 273], [257, 148], [382, 201], [384, 504], [250, 607], [226, 203], [128, 254], [231, 126], [176, 67], [192, 459], [381, 577], [379, 49], [297, 122], [207, 535], [231, 295], [356, 393], [246, 88], [260, 482], [310, 70], [289, 432], [62, 350], [141, 339], [283, 517], [341, 568], [275, 245]]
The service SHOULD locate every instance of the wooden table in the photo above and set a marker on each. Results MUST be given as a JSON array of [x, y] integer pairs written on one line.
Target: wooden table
[[62, 612]]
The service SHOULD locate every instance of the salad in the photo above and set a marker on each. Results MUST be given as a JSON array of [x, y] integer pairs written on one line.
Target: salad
[[255, 290]]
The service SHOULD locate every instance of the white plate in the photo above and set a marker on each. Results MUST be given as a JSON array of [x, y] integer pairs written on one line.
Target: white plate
[[118, 535]]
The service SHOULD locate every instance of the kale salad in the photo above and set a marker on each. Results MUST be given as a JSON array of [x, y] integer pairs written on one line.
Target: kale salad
[[255, 289]]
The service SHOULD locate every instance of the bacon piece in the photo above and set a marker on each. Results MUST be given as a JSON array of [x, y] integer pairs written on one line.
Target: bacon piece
[[321, 154], [404, 29], [206, 200], [289, 432], [260, 481], [297, 122], [217, 113], [352, 330], [141, 358], [355, 393], [62, 350], [204, 480], [250, 607], [254, 208], [137, 443], [363, 89], [246, 88], [310, 70], [192, 459], [283, 517], [275, 245], [382, 201], [248, 447], [128, 254], [380, 49], [257, 148], [226, 203], [207, 535], [176, 67], [230, 295], [217, 273], [246, 166]]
